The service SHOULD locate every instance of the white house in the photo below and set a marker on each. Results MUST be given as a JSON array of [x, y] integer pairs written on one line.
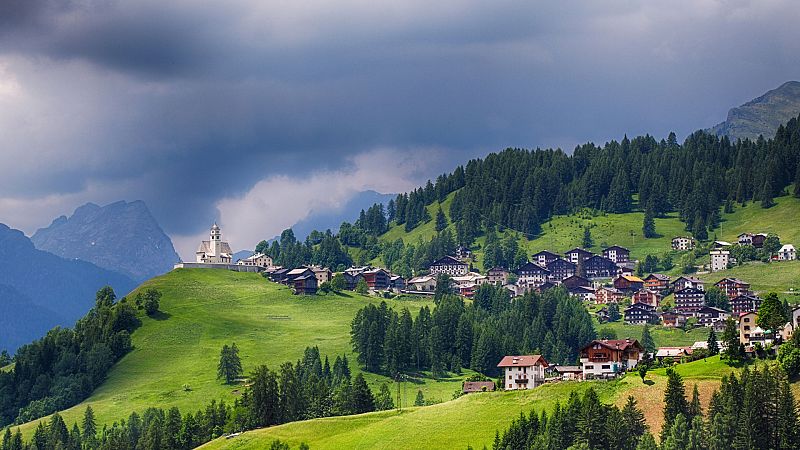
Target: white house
[[450, 266], [787, 253], [215, 250], [425, 283], [682, 243], [258, 260], [719, 260], [523, 372]]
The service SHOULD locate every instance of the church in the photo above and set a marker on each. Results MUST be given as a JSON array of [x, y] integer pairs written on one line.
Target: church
[[214, 251]]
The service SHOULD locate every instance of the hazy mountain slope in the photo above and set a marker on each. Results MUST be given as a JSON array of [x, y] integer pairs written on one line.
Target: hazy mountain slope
[[123, 237], [21, 319], [763, 115], [49, 283]]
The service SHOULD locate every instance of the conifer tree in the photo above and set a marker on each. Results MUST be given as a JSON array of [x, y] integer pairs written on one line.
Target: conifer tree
[[713, 347], [649, 225], [587, 241], [441, 220], [230, 365], [362, 396], [695, 409], [647, 442], [634, 424], [89, 427], [674, 402], [420, 399], [677, 436], [647, 340], [730, 337]]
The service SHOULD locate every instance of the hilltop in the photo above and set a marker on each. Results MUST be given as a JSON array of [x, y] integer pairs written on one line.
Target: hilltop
[[762, 115], [122, 236]]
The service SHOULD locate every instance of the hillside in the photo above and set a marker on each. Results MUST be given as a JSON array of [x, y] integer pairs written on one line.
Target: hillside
[[47, 290], [763, 115], [204, 309], [471, 419], [122, 236]]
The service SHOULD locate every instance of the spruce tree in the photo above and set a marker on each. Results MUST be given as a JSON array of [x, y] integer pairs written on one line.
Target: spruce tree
[[797, 181], [362, 396], [441, 220], [587, 241], [713, 347], [649, 225], [730, 337], [677, 436], [647, 442], [674, 402], [695, 409], [647, 340], [420, 399], [697, 435], [89, 427], [634, 424]]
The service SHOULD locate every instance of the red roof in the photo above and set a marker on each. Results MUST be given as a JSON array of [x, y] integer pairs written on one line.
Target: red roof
[[615, 344], [523, 361]]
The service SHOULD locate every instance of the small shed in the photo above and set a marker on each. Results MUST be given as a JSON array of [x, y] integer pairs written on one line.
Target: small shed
[[477, 386]]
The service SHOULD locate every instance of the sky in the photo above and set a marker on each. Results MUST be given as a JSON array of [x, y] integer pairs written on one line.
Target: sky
[[253, 113]]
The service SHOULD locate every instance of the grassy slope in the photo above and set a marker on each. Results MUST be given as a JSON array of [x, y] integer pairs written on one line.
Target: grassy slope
[[472, 419], [204, 309]]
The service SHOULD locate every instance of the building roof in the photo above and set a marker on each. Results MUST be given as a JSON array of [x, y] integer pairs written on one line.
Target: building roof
[[421, 279], [578, 250], [637, 305], [658, 276], [297, 271], [732, 280], [531, 267], [712, 309], [616, 247], [787, 248], [448, 261], [632, 278], [689, 290], [522, 361], [615, 344], [692, 280], [568, 369], [546, 252], [477, 386], [673, 351]]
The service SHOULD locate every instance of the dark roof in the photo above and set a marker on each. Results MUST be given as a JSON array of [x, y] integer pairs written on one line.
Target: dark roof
[[614, 344], [713, 309], [561, 262], [658, 276], [689, 290], [448, 261], [616, 247], [643, 306], [689, 279], [733, 280], [579, 250], [546, 252], [568, 369], [531, 267]]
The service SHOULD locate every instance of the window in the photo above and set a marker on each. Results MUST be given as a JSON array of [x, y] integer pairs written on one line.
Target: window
[[606, 367], [589, 367]]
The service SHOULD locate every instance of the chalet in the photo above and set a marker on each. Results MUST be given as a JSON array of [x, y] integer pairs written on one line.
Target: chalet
[[608, 358], [673, 319], [497, 276], [720, 245], [585, 293], [787, 253], [748, 330], [560, 269], [450, 266], [377, 279], [323, 274], [676, 354], [258, 260], [657, 282], [356, 270], [687, 282], [575, 281], [689, 300], [545, 286], [544, 257], [279, 276], [424, 283], [647, 297], [628, 283], [397, 283], [745, 239], [640, 314], [719, 259], [599, 267], [733, 287], [745, 304], [792, 324], [707, 316], [577, 255], [683, 243], [617, 254], [470, 387], [305, 284], [758, 239], [531, 274], [605, 295], [352, 279], [467, 290], [602, 315], [523, 372], [297, 273], [463, 253], [569, 373]]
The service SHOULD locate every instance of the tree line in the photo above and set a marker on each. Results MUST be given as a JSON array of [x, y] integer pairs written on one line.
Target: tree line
[[63, 368], [475, 336], [307, 389]]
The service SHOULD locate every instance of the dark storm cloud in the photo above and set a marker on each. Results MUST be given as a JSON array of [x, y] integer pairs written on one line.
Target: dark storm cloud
[[185, 103]]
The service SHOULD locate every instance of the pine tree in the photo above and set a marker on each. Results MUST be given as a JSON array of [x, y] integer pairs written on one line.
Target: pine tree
[[697, 435], [587, 241], [362, 396], [441, 220], [695, 409], [713, 347], [613, 312], [767, 195], [89, 427], [647, 442], [797, 181], [677, 437], [383, 400], [647, 340], [634, 424], [420, 399], [230, 365], [674, 402], [730, 337], [649, 225]]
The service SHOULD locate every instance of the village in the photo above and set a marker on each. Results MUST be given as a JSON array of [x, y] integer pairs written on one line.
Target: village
[[605, 282]]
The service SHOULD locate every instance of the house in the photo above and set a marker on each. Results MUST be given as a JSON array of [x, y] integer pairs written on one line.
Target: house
[[297, 272], [560, 269], [215, 250], [744, 304], [599, 267], [687, 282], [617, 254], [575, 281], [792, 324], [748, 329], [640, 314], [657, 282], [602, 315], [719, 245], [467, 290], [569, 373], [470, 387], [673, 319], [608, 358], [323, 274], [424, 283], [352, 279], [787, 253], [545, 286], [628, 283], [523, 372], [258, 260], [676, 354], [719, 259], [305, 284], [279, 275], [531, 274], [708, 316], [758, 239], [577, 255], [377, 279], [603, 295], [544, 257], [745, 239], [463, 253], [449, 266], [733, 287], [356, 270], [585, 293], [683, 243], [647, 297], [497, 276], [397, 283], [689, 300]]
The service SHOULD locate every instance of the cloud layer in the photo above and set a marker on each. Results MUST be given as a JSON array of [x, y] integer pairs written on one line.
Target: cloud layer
[[198, 107]]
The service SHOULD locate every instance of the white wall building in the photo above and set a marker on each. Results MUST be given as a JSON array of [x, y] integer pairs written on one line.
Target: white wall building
[[523, 372], [787, 253], [215, 250], [719, 260], [258, 260]]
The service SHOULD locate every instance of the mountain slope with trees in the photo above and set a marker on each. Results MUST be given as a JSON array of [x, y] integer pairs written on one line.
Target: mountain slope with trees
[[762, 115]]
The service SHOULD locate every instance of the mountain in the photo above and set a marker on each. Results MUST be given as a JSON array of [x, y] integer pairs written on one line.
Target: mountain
[[763, 115], [123, 237], [323, 220], [45, 290]]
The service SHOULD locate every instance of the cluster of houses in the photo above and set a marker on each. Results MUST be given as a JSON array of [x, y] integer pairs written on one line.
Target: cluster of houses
[[721, 257]]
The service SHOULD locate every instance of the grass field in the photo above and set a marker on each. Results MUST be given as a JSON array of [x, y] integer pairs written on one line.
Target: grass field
[[472, 419], [204, 309], [781, 277]]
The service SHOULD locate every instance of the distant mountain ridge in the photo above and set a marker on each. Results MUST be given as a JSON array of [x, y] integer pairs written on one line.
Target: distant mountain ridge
[[333, 219], [763, 115], [39, 290], [122, 236]]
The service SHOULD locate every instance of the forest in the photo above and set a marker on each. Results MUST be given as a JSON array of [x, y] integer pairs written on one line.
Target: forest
[[475, 336]]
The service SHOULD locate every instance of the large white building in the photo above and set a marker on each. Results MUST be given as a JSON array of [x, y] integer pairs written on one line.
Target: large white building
[[258, 260], [523, 372], [787, 253], [215, 250], [719, 260]]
